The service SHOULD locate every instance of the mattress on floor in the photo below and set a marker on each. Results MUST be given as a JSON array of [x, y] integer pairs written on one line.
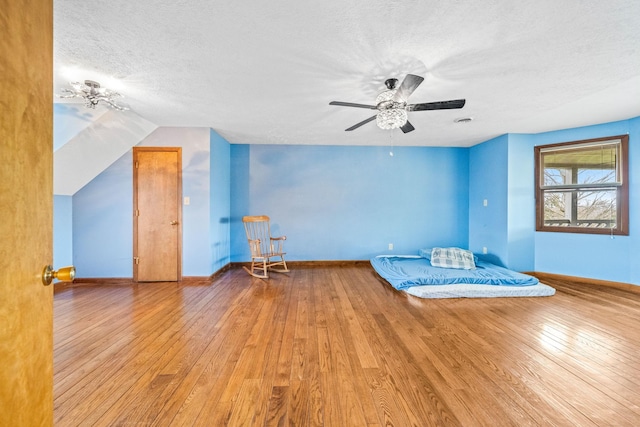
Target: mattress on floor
[[416, 276]]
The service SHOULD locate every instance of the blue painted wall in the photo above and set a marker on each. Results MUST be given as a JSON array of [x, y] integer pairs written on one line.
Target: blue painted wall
[[521, 204], [337, 203], [596, 256], [102, 210], [68, 121], [220, 202], [488, 180], [103, 225], [349, 203], [62, 231], [501, 172]]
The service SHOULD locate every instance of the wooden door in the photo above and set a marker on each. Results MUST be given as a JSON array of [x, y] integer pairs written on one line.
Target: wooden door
[[26, 203], [157, 214]]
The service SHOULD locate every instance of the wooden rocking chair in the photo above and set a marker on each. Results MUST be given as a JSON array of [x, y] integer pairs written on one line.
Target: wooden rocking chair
[[263, 247]]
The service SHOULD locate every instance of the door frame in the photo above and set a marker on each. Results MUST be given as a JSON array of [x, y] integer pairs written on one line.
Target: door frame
[[137, 150]]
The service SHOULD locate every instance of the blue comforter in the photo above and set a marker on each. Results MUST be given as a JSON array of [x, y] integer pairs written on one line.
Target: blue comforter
[[407, 271]]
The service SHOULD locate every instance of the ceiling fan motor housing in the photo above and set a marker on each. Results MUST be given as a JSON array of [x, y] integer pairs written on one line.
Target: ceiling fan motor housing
[[391, 83]]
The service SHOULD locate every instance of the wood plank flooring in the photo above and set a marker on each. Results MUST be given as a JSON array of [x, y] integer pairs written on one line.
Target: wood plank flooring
[[337, 346]]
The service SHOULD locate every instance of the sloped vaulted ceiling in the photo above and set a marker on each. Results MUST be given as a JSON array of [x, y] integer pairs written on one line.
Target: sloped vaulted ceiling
[[91, 145], [265, 72]]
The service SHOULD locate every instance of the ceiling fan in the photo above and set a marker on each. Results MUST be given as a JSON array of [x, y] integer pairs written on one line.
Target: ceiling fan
[[392, 105]]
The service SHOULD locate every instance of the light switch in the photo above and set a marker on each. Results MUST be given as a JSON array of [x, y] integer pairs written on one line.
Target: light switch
[[187, 200], [485, 202]]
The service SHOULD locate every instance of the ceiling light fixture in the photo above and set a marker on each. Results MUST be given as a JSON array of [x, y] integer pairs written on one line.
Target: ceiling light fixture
[[92, 94], [391, 114]]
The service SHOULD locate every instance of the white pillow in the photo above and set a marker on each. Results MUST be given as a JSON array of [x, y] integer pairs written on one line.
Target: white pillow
[[452, 258]]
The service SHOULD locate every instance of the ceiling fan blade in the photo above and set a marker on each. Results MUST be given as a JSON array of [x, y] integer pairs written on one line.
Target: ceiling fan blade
[[408, 85], [441, 105], [407, 127], [351, 104], [364, 122]]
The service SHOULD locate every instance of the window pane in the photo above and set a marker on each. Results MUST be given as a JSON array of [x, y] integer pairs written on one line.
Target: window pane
[[581, 165], [580, 208], [582, 186], [557, 208], [556, 176]]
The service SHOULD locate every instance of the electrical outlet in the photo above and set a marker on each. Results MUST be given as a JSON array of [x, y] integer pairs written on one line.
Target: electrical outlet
[[484, 249], [390, 246], [485, 203]]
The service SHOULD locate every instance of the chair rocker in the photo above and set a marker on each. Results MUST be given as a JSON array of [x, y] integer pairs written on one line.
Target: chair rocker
[[263, 247]]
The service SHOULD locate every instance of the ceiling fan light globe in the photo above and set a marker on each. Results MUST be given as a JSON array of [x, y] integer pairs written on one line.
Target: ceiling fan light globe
[[391, 118], [386, 95]]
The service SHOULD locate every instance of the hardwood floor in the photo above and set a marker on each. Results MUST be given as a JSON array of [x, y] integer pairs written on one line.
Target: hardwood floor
[[337, 346]]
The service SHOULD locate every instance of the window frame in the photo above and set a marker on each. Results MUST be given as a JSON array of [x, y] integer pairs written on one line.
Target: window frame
[[622, 189]]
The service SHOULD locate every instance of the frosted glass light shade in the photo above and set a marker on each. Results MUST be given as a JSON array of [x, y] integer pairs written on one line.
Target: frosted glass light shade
[[392, 118], [391, 114]]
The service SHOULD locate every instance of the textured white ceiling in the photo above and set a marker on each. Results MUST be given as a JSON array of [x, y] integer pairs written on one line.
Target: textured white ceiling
[[265, 72]]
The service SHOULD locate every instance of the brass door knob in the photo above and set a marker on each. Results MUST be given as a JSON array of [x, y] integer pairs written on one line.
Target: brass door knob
[[174, 222], [66, 274]]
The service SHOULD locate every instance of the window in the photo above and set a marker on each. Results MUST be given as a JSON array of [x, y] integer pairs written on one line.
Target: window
[[582, 186]]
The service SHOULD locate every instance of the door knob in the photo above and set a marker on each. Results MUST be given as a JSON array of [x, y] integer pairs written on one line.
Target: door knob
[[66, 274], [174, 222]]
